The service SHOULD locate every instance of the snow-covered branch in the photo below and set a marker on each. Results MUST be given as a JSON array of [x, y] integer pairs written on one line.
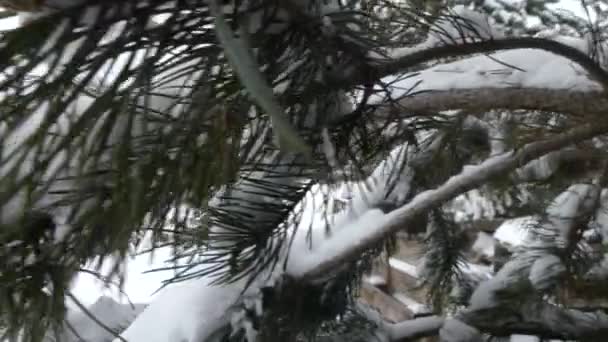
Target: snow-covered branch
[[362, 237], [481, 100], [372, 73], [538, 318], [415, 328], [533, 318]]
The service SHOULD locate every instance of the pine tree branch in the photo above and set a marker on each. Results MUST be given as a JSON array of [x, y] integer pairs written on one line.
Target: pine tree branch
[[482, 100], [540, 319], [369, 73], [470, 178]]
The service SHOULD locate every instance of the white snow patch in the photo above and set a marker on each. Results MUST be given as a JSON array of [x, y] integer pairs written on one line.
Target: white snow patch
[[375, 280], [525, 68], [303, 259], [191, 311], [524, 338], [411, 304], [403, 267], [515, 232], [484, 245]]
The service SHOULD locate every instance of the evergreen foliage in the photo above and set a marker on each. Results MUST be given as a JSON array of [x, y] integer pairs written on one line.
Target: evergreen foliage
[[205, 130]]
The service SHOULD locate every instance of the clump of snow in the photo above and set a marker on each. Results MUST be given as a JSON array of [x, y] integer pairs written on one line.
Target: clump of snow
[[200, 308], [524, 68], [304, 258], [524, 338], [515, 232], [472, 206], [191, 311], [375, 280], [412, 305], [404, 267]]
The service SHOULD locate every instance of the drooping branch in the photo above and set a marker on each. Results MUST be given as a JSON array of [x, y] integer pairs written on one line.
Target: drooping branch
[[370, 73], [470, 178]]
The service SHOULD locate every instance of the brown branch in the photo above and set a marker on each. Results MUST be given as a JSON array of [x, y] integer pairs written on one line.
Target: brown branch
[[481, 100], [471, 178]]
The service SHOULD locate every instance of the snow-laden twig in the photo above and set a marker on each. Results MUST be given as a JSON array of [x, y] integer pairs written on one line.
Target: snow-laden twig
[[538, 318], [360, 238], [355, 76], [192, 311], [532, 318], [482, 100]]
